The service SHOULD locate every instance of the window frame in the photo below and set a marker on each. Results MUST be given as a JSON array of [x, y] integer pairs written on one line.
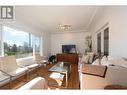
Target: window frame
[[32, 41], [102, 30], [1, 38]]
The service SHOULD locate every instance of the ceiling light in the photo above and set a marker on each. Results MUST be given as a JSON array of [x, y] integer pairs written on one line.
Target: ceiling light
[[64, 27]]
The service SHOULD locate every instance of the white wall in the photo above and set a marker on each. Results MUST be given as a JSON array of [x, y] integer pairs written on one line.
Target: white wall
[[46, 44], [116, 17], [59, 39]]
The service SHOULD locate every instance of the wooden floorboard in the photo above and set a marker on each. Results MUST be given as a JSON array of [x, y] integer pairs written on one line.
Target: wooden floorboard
[[73, 81]]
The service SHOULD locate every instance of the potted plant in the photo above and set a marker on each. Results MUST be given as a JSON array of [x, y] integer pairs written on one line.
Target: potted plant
[[52, 59]]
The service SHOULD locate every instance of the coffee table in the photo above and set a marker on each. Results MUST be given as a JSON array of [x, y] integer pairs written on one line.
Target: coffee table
[[62, 68]]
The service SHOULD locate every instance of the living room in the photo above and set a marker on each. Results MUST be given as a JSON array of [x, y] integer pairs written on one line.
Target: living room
[[66, 35]]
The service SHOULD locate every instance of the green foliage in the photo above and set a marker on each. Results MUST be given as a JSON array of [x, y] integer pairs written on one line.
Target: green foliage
[[9, 53], [52, 58]]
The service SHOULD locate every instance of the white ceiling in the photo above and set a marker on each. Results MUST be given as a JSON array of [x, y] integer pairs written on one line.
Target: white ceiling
[[47, 18]]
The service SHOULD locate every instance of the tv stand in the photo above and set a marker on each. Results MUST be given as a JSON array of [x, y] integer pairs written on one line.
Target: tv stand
[[67, 57]]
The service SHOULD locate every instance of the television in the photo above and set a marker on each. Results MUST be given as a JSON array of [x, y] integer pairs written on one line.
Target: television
[[68, 48]]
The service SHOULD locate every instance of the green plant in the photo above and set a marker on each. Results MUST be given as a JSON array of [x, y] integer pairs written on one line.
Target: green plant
[[52, 58], [10, 53]]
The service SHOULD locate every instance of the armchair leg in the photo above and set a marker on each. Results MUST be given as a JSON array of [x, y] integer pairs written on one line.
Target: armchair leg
[[38, 71], [10, 83], [26, 76]]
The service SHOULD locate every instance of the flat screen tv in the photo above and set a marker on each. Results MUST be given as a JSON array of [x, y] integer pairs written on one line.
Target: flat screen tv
[[68, 48]]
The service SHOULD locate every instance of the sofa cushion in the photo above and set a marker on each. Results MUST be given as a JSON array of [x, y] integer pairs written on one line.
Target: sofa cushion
[[104, 58], [25, 61], [18, 71], [106, 63], [3, 77], [119, 62], [32, 66], [91, 56], [111, 57], [96, 62]]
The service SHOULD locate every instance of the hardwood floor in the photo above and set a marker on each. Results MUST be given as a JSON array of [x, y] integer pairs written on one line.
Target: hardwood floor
[[73, 80]]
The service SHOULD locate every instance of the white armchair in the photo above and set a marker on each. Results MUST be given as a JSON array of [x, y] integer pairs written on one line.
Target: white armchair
[[4, 78], [29, 63], [10, 67]]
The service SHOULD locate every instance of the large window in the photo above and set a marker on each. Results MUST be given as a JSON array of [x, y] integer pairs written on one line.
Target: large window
[[0, 41], [37, 42], [19, 43]]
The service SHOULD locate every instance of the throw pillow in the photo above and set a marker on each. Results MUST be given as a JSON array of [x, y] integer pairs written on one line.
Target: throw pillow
[[91, 57], [85, 59], [96, 62], [106, 63]]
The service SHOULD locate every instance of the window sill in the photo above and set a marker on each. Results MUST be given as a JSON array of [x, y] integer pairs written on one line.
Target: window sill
[[24, 58]]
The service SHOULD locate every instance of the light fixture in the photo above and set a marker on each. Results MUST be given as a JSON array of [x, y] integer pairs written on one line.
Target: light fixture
[[64, 27]]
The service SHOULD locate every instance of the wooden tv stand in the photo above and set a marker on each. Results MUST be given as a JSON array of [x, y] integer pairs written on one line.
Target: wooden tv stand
[[67, 57]]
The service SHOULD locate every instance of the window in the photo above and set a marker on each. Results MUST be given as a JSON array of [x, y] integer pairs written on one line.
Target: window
[[99, 43], [103, 41], [37, 42], [0, 41], [18, 43], [106, 41], [0, 48]]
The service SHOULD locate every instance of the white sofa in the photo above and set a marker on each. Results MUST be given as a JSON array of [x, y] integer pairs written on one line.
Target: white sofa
[[13, 69], [115, 75], [28, 62], [38, 83], [4, 79], [10, 70]]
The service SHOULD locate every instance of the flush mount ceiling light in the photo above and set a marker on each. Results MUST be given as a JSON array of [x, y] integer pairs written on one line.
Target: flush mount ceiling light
[[64, 27]]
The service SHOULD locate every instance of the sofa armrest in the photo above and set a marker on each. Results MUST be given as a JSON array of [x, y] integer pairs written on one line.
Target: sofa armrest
[[5, 73], [114, 75], [38, 83]]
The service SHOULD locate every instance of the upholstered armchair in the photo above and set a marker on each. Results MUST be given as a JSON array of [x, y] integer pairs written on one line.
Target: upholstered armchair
[[10, 67], [4, 78], [29, 63]]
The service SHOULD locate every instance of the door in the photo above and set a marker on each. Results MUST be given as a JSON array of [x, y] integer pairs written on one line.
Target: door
[[106, 41], [99, 42]]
